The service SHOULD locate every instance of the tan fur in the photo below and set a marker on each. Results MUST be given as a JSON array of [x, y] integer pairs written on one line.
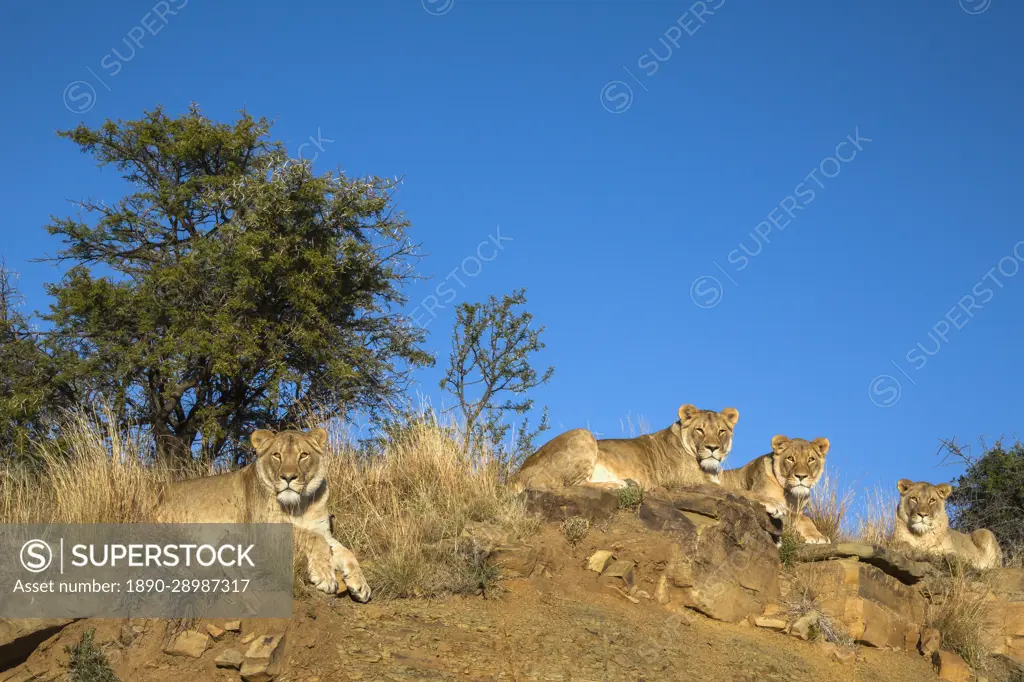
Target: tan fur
[[689, 452], [784, 477], [284, 485], [922, 524]]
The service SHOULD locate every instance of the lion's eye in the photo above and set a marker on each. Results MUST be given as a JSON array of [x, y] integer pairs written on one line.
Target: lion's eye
[[934, 500], [721, 432], [790, 460], [914, 500], [811, 460], [699, 431], [304, 455], [277, 456]]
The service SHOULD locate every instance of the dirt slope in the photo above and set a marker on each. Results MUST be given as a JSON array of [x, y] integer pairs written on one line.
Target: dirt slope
[[539, 629]]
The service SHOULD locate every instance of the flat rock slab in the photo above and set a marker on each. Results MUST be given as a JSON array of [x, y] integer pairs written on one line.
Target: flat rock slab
[[591, 503], [905, 570]]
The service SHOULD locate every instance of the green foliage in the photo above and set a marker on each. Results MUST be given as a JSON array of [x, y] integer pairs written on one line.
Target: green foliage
[[630, 497], [990, 493], [31, 392], [232, 289], [490, 359], [790, 542], [88, 663]]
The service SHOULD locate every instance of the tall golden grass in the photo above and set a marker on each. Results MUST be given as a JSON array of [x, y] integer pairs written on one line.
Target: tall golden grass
[[876, 521], [829, 506], [401, 506]]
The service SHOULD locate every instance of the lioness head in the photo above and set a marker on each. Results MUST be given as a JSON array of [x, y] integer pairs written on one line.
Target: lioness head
[[708, 434], [797, 463], [923, 506], [289, 462]]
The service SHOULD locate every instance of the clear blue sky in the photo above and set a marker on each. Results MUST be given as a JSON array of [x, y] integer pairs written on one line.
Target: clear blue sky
[[623, 198]]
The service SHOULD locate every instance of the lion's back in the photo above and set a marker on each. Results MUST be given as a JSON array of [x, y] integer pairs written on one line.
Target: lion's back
[[221, 498]]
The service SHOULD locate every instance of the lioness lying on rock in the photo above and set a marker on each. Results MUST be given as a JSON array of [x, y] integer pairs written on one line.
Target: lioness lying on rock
[[785, 476], [689, 452], [284, 485], [922, 524]]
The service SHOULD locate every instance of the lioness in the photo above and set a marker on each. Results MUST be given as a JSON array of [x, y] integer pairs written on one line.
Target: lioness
[[689, 452], [284, 485], [922, 524], [785, 477]]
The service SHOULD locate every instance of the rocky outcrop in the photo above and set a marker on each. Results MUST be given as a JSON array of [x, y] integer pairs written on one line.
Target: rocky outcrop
[[712, 551], [874, 608], [19, 637]]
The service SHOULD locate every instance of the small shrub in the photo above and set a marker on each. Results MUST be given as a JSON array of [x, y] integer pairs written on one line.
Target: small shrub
[[829, 505], [790, 542], [575, 528], [88, 662], [961, 614], [630, 497]]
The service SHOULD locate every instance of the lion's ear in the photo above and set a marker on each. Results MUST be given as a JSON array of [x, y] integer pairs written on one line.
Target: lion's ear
[[944, 489], [903, 485], [318, 436], [687, 412], [260, 437], [779, 442], [822, 444], [731, 414]]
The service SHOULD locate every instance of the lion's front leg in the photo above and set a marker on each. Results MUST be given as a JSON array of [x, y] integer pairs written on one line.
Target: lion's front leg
[[345, 561], [806, 529], [319, 563]]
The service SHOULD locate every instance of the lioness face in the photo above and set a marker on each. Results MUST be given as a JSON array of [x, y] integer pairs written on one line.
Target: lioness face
[[709, 434], [289, 462], [798, 463], [922, 505]]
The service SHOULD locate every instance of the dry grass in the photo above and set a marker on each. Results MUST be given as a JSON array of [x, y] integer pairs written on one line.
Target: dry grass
[[828, 507], [400, 507], [960, 613], [875, 524], [806, 598], [403, 508]]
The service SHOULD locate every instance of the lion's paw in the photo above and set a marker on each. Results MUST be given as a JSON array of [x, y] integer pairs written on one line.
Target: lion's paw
[[358, 588], [776, 511], [322, 577]]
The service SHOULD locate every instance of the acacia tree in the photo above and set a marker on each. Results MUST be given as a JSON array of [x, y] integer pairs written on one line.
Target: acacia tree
[[232, 287], [489, 371], [990, 492]]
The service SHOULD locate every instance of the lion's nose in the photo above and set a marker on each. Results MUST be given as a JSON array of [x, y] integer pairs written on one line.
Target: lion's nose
[[288, 478], [711, 448], [800, 478]]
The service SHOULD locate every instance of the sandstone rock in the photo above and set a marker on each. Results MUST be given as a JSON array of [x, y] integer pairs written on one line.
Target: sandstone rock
[[903, 569], [245, 639], [263, 659], [130, 632], [875, 608], [189, 643], [230, 658], [777, 624], [837, 653], [515, 561], [233, 626], [20, 636], [599, 560], [806, 626], [214, 631], [620, 573], [930, 641], [950, 667], [718, 550], [594, 504]]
